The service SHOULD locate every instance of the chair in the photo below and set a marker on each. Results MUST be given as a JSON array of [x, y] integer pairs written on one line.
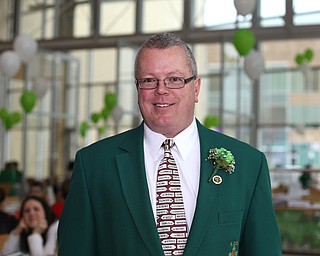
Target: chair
[[3, 238]]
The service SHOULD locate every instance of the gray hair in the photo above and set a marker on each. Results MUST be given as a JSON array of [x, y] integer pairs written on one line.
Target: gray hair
[[164, 41]]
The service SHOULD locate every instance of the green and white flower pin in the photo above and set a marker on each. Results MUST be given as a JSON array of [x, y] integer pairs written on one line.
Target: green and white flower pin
[[221, 159]]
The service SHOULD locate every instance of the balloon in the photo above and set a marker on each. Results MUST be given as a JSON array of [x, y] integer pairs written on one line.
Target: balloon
[[245, 7], [299, 59], [254, 64], [211, 121], [110, 100], [117, 113], [3, 113], [25, 46], [95, 117], [15, 117], [84, 128], [9, 119], [102, 130], [105, 112], [12, 119], [305, 68], [40, 86], [10, 63], [28, 100], [308, 54], [244, 41]]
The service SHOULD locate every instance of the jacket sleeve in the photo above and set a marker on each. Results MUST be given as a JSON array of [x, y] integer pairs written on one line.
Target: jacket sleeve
[[76, 231], [261, 235]]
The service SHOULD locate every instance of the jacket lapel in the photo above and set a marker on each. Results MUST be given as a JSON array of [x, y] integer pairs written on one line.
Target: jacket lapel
[[207, 196], [135, 189]]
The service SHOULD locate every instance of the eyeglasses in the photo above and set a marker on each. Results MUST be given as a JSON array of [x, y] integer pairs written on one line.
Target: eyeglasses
[[172, 82]]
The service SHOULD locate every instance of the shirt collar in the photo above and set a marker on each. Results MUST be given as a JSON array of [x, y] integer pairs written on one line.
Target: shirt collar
[[184, 140]]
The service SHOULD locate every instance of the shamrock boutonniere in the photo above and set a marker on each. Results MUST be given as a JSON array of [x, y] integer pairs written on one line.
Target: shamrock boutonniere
[[220, 159]]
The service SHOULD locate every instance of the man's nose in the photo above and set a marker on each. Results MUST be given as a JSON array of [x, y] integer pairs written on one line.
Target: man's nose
[[161, 88]]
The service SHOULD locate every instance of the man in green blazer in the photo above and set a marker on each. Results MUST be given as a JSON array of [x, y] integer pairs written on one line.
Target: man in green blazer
[[111, 206]]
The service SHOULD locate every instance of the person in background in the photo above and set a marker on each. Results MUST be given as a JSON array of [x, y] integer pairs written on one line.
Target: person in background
[[36, 233], [11, 172], [37, 188], [63, 189], [305, 178], [11, 177], [69, 169], [219, 197], [7, 221]]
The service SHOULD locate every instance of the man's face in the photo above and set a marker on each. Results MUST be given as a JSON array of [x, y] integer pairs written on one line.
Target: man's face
[[167, 111], [36, 191]]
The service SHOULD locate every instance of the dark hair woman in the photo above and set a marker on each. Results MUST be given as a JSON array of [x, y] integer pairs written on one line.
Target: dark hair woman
[[36, 233]]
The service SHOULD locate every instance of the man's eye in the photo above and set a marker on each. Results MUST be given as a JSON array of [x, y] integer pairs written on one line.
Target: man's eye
[[174, 79], [148, 80]]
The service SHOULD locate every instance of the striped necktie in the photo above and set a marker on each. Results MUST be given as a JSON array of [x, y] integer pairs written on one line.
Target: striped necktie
[[171, 219]]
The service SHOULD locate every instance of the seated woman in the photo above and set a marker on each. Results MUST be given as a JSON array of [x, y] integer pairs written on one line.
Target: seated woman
[[36, 233]]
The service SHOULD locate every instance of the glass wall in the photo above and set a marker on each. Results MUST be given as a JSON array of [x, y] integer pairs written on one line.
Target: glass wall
[[87, 50], [264, 113]]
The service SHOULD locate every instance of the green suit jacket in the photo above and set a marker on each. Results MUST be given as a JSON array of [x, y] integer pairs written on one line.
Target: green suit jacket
[[108, 209]]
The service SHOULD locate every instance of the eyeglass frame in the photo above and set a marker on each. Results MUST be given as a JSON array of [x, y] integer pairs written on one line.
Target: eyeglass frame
[[185, 81]]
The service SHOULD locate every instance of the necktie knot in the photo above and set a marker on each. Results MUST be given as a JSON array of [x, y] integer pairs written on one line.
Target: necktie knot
[[168, 144]]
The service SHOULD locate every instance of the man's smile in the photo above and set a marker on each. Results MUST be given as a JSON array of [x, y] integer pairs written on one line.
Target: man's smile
[[162, 105]]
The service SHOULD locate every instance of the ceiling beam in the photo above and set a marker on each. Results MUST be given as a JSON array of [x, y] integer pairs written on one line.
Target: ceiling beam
[[191, 36]]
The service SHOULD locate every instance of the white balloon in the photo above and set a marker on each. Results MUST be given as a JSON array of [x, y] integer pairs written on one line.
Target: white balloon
[[117, 113], [10, 63], [26, 47], [305, 68], [40, 86], [245, 7], [254, 64]]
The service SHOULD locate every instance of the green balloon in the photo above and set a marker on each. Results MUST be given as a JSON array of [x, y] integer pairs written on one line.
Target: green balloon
[[3, 113], [9, 119], [110, 100], [105, 113], [8, 124], [299, 59], [28, 100], [211, 121], [102, 130], [84, 128], [15, 117], [309, 54], [95, 117], [244, 40]]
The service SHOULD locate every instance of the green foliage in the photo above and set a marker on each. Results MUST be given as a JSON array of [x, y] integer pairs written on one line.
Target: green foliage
[[299, 229]]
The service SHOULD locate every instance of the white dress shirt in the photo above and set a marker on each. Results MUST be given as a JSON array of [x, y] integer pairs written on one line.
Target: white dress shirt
[[186, 153]]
